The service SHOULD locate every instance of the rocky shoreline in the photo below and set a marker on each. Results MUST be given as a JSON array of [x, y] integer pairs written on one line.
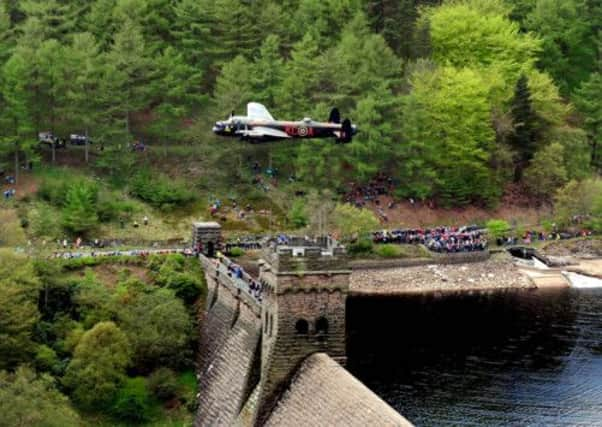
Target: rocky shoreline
[[497, 273]]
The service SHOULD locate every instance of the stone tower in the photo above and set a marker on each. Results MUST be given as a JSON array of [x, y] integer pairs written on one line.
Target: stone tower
[[206, 237], [305, 287]]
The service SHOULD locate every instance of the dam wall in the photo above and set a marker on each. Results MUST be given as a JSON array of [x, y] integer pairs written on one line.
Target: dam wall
[[229, 347]]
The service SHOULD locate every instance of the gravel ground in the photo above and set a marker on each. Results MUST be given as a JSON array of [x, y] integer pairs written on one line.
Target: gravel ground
[[499, 272]]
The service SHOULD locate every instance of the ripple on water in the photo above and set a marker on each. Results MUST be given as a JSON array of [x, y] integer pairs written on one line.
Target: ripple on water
[[530, 358]]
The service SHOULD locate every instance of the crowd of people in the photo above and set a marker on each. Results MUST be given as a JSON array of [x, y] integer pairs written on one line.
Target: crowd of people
[[122, 252], [439, 239], [243, 280], [361, 194], [531, 236]]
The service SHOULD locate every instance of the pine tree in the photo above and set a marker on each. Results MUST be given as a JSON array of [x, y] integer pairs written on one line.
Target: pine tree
[[16, 122], [130, 73], [524, 140], [268, 70], [79, 212], [83, 75]]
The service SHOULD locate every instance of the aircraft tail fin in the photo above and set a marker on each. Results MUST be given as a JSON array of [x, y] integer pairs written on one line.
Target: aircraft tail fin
[[346, 132], [335, 116]]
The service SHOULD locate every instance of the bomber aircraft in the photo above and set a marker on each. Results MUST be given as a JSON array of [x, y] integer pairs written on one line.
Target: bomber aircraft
[[259, 126]]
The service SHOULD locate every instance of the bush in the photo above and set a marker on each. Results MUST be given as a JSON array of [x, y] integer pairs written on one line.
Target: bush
[[186, 286], [388, 251], [362, 246], [163, 384], [133, 402], [236, 252], [160, 191], [111, 208], [497, 228], [53, 191], [79, 211], [47, 360], [297, 214]]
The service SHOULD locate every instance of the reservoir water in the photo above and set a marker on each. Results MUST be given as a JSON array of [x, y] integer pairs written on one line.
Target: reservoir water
[[530, 358]]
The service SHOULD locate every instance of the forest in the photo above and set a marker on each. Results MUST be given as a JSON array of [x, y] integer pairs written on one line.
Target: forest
[[456, 101]]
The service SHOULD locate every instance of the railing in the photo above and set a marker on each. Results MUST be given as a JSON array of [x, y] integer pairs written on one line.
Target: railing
[[242, 286]]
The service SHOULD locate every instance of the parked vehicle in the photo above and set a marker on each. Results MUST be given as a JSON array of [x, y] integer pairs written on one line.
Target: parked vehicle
[[76, 139], [50, 139]]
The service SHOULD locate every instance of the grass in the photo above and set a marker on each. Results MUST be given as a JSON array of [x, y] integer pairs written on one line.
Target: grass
[[391, 250]]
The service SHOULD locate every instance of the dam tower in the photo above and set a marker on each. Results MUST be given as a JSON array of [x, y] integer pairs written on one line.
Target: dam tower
[[305, 287]]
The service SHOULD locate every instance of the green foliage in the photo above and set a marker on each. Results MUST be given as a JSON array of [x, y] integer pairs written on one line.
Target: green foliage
[[353, 222], [163, 383], [525, 137], [362, 246], [297, 214], [133, 401], [159, 191], [589, 102], [47, 360], [497, 228], [388, 250], [236, 252], [547, 172], [97, 369], [79, 211], [27, 399], [18, 298], [578, 198], [159, 329]]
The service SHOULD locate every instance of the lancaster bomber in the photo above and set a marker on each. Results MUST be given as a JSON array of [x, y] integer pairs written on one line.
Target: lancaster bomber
[[259, 126]]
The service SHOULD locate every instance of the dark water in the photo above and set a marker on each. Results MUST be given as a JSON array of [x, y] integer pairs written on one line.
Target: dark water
[[526, 359]]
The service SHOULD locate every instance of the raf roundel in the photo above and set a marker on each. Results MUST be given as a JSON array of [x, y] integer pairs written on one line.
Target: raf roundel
[[302, 131]]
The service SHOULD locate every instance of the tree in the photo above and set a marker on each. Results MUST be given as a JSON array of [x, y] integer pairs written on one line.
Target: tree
[[18, 298], [159, 329], [133, 401], [79, 212], [546, 173], [447, 137], [478, 33], [497, 228], [83, 74], [97, 369], [352, 222], [15, 116], [297, 214], [29, 400], [232, 89], [565, 30], [578, 198], [267, 71], [129, 72], [589, 102], [524, 140]]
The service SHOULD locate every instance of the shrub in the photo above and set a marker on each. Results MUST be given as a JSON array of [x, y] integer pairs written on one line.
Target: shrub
[[160, 191], [133, 402], [497, 227], [362, 246], [79, 211], [297, 214], [388, 251], [163, 384], [47, 360], [186, 286], [236, 252]]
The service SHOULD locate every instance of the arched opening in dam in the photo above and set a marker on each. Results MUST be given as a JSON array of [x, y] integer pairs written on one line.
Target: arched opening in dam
[[513, 358]]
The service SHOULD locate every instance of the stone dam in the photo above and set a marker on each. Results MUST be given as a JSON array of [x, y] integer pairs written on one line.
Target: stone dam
[[279, 359]]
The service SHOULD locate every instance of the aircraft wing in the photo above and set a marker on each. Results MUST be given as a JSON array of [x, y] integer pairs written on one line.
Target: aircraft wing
[[256, 111], [261, 131]]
